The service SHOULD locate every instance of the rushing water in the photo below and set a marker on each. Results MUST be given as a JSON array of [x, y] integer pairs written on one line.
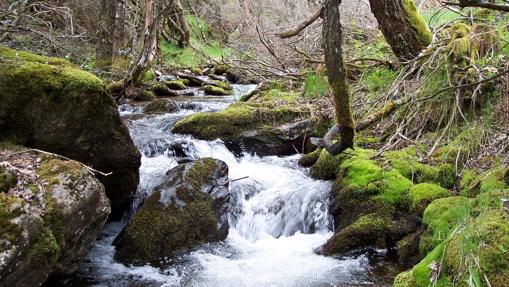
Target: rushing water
[[281, 218]]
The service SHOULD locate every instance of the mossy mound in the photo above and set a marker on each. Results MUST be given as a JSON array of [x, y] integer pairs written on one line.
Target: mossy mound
[[365, 231], [52, 105], [326, 166], [161, 106], [188, 209], [310, 159], [467, 239], [216, 91], [272, 123], [424, 193], [49, 219], [161, 90], [175, 85]]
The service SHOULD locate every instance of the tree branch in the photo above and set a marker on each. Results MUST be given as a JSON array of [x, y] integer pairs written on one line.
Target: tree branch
[[301, 26]]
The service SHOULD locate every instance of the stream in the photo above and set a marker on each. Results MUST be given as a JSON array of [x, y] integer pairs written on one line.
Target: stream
[[281, 218]]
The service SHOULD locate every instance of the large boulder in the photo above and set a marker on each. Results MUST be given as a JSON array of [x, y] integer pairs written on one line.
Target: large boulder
[[272, 123], [189, 208], [50, 104], [49, 218]]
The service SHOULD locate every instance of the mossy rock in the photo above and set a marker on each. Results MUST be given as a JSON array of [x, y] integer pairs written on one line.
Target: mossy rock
[[275, 123], [405, 279], [175, 85], [161, 90], [115, 88], [442, 215], [161, 106], [216, 91], [310, 159], [481, 245], [189, 208], [220, 84], [7, 179], [365, 231], [326, 166], [50, 232], [145, 96], [50, 104], [221, 69], [407, 163], [423, 194]]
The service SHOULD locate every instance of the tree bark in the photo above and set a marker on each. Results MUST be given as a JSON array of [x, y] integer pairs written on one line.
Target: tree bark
[[403, 26], [337, 76], [105, 46]]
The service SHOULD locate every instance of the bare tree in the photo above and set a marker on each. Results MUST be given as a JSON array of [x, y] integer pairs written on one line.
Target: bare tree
[[105, 45], [333, 36]]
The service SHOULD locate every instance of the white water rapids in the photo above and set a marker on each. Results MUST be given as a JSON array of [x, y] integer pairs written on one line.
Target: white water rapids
[[282, 216]]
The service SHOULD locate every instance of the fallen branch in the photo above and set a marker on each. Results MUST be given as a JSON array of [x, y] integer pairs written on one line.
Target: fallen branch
[[480, 4], [301, 26]]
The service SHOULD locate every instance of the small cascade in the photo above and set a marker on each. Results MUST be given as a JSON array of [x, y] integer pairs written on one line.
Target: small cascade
[[281, 216]]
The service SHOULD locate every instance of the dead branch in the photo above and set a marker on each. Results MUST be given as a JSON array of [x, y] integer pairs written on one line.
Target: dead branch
[[301, 26], [479, 4]]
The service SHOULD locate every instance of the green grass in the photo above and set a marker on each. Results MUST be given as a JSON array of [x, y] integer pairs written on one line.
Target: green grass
[[206, 45], [315, 85]]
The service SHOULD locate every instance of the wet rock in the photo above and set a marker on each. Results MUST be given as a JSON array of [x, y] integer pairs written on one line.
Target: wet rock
[[50, 104], [49, 220], [145, 96], [161, 90], [273, 123], [188, 209], [161, 106], [175, 85], [216, 91]]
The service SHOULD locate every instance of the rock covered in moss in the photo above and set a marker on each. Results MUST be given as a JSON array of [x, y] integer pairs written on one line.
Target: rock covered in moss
[[310, 159], [424, 193], [365, 231], [189, 208], [7, 179], [216, 91], [52, 105], [326, 166], [273, 123], [145, 96], [161, 90], [49, 219], [175, 84], [161, 106]]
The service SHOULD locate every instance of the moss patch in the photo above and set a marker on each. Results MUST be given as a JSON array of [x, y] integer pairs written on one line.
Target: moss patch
[[423, 194]]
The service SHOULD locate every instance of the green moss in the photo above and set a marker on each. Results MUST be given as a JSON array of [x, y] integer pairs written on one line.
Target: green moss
[[22, 56], [467, 182], [417, 22], [378, 79], [216, 91], [461, 147], [311, 158], [493, 180], [221, 84], [44, 251], [10, 208], [148, 76], [326, 166], [200, 172], [365, 176], [443, 215], [239, 117], [481, 248], [161, 106], [424, 193], [366, 230], [405, 279], [421, 272], [50, 170], [407, 163], [175, 85], [7, 179]]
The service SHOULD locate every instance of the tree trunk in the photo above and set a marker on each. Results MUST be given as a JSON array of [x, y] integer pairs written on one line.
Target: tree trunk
[[105, 46], [403, 26], [150, 37], [333, 36]]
